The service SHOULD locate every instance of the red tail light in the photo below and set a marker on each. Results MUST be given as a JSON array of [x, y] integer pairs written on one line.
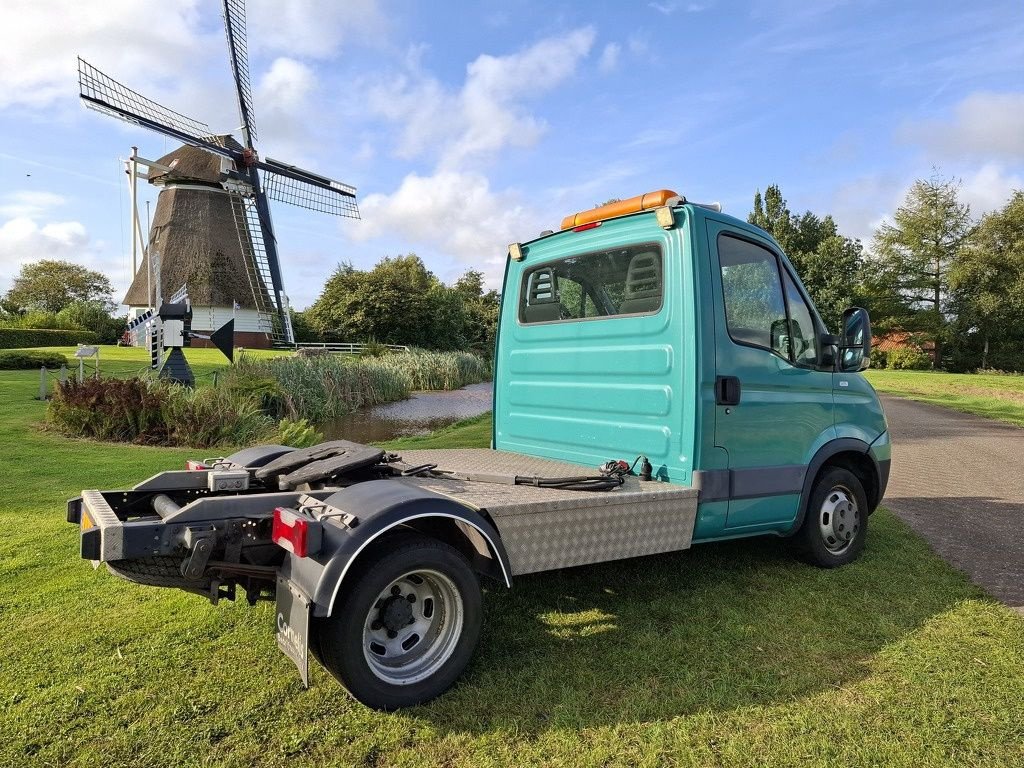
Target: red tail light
[[291, 531], [195, 466], [585, 227]]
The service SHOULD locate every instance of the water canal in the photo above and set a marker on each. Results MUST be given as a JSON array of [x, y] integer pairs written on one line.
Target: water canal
[[423, 412]]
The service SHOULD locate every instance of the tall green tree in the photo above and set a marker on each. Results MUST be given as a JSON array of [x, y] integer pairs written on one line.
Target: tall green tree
[[400, 301], [828, 263], [986, 278], [388, 303], [49, 285], [914, 253], [482, 309]]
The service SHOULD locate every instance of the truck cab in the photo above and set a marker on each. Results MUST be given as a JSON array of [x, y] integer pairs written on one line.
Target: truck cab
[[661, 328]]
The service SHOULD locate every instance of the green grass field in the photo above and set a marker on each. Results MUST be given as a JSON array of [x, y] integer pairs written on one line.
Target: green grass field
[[731, 654], [994, 397]]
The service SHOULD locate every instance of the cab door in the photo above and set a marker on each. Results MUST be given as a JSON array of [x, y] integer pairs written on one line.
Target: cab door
[[774, 403]]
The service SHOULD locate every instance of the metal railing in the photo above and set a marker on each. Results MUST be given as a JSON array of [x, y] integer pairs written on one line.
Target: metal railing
[[349, 347]]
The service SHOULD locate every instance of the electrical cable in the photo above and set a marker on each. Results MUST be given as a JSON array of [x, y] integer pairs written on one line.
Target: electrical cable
[[581, 483]]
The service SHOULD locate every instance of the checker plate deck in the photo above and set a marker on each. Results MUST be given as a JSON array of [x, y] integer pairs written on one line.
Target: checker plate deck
[[548, 528]]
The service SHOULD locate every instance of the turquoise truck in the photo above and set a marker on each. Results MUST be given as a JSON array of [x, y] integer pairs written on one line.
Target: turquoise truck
[[662, 379]]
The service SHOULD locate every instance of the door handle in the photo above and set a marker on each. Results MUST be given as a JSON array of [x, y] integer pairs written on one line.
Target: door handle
[[727, 390]]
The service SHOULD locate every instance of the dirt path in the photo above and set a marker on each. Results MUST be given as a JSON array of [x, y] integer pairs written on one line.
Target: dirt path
[[958, 480]]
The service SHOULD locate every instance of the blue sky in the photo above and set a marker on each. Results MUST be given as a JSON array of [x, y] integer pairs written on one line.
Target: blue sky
[[469, 125]]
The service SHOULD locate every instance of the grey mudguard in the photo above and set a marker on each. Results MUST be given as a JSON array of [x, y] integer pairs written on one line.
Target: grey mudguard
[[380, 506]]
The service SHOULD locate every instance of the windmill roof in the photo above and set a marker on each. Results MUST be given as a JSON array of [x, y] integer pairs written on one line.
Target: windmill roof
[[193, 164]]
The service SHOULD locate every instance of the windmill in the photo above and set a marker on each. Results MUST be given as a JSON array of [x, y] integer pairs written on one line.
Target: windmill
[[212, 228]]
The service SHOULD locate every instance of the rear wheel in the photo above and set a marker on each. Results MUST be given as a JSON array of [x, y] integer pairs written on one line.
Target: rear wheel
[[405, 627], [836, 523]]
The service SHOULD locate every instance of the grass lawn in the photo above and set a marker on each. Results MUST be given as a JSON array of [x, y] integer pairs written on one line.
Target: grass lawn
[[730, 654], [133, 361], [995, 397]]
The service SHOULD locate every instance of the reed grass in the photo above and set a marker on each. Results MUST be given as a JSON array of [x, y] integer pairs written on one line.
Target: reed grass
[[328, 386]]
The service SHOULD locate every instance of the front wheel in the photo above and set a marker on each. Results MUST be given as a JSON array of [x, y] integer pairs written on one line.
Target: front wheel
[[406, 626], [836, 524]]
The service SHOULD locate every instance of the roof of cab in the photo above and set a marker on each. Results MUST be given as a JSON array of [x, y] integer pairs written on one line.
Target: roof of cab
[[694, 208]]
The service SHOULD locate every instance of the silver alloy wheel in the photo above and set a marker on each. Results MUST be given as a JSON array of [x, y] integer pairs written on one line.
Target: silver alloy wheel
[[839, 520], [413, 627]]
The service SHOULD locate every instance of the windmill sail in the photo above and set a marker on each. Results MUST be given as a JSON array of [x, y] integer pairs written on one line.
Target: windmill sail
[[238, 56], [289, 184], [104, 94]]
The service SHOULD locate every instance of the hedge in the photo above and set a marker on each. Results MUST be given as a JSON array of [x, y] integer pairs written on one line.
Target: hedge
[[19, 338], [17, 359]]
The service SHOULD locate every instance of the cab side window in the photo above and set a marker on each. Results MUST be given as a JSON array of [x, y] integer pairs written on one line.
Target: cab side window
[[803, 345], [755, 311]]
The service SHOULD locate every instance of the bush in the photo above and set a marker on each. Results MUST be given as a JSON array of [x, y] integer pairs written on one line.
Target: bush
[[205, 417], [12, 360], [156, 413], [909, 359], [92, 315], [879, 358], [20, 338], [110, 409]]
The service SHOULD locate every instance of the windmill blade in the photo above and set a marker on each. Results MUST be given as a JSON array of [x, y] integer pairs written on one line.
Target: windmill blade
[[290, 184], [238, 55], [105, 94]]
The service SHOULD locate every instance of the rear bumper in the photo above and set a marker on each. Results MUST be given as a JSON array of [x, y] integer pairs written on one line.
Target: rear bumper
[[105, 537]]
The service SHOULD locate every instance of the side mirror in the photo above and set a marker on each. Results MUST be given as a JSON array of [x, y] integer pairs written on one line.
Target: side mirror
[[855, 340]]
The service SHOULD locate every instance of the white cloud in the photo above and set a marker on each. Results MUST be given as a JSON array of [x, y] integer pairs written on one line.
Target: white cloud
[[455, 212], [282, 99], [28, 203], [486, 114], [23, 240], [861, 205], [610, 57], [39, 42], [983, 124], [989, 188], [316, 28]]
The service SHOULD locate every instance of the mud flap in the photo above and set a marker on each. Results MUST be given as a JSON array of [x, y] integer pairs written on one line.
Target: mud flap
[[292, 625]]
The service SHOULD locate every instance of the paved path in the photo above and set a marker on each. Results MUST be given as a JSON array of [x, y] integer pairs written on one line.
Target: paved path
[[958, 480]]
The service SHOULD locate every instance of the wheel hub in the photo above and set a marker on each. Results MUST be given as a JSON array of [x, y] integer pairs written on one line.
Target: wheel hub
[[839, 519], [396, 613], [413, 627]]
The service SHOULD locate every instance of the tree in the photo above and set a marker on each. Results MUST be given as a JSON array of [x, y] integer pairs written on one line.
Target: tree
[[914, 253], [482, 309], [986, 278], [828, 263], [49, 286], [400, 301], [388, 304]]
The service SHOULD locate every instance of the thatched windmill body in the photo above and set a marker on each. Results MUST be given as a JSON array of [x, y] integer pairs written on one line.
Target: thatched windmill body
[[211, 230]]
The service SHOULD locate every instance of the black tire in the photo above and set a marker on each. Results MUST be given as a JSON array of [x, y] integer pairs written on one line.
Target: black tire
[[836, 523], [350, 643]]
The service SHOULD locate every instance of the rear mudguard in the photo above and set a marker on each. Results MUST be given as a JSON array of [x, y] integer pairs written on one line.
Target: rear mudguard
[[380, 506]]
